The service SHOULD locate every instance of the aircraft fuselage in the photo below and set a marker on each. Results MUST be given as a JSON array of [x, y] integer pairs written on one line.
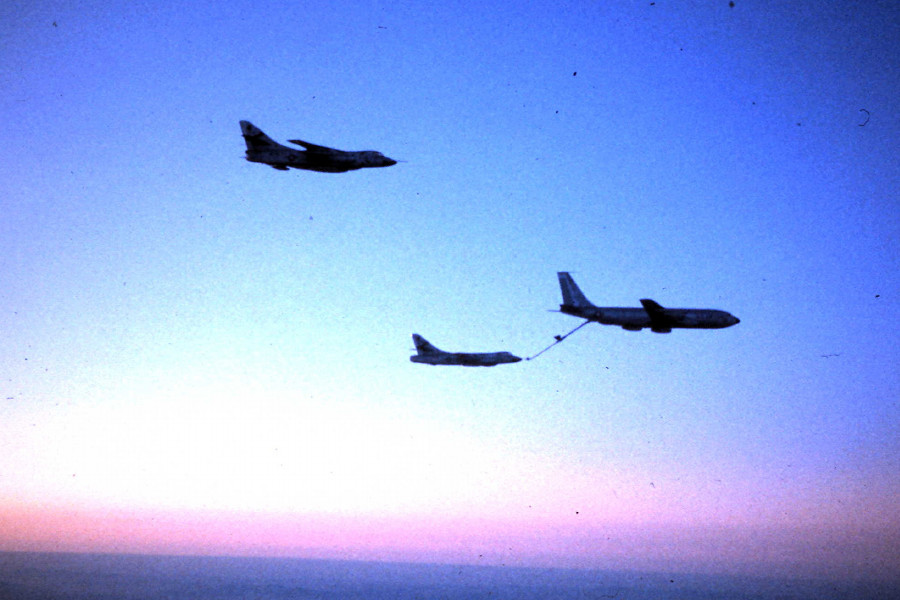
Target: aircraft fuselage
[[284, 158], [465, 359], [635, 319]]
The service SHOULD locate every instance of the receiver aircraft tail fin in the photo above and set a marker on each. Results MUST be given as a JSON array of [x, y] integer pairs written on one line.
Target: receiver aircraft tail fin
[[571, 293], [255, 138], [423, 346]]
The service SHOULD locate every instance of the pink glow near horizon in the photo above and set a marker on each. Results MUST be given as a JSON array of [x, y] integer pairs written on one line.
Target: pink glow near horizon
[[834, 552]]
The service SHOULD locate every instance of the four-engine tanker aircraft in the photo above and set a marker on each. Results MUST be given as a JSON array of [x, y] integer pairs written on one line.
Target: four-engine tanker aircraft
[[428, 354], [652, 315], [263, 149]]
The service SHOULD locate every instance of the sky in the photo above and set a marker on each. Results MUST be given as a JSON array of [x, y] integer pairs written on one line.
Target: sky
[[203, 355]]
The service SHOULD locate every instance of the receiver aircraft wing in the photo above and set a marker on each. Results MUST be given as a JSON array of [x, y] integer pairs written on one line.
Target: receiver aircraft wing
[[315, 148]]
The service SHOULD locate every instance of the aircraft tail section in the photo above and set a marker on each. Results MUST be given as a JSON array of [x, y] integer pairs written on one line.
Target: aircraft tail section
[[423, 346], [255, 138], [571, 293]]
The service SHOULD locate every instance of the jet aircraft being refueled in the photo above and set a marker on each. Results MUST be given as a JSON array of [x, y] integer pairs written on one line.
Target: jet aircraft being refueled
[[263, 149], [652, 315], [430, 355]]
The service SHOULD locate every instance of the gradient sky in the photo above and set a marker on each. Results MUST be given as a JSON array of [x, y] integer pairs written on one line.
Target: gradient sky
[[201, 354]]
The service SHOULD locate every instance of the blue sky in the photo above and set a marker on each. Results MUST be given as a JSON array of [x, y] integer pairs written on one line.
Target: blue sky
[[184, 330]]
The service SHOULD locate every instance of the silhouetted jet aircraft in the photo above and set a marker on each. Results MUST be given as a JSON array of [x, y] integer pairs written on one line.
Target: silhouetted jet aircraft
[[652, 315], [263, 149], [430, 355]]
